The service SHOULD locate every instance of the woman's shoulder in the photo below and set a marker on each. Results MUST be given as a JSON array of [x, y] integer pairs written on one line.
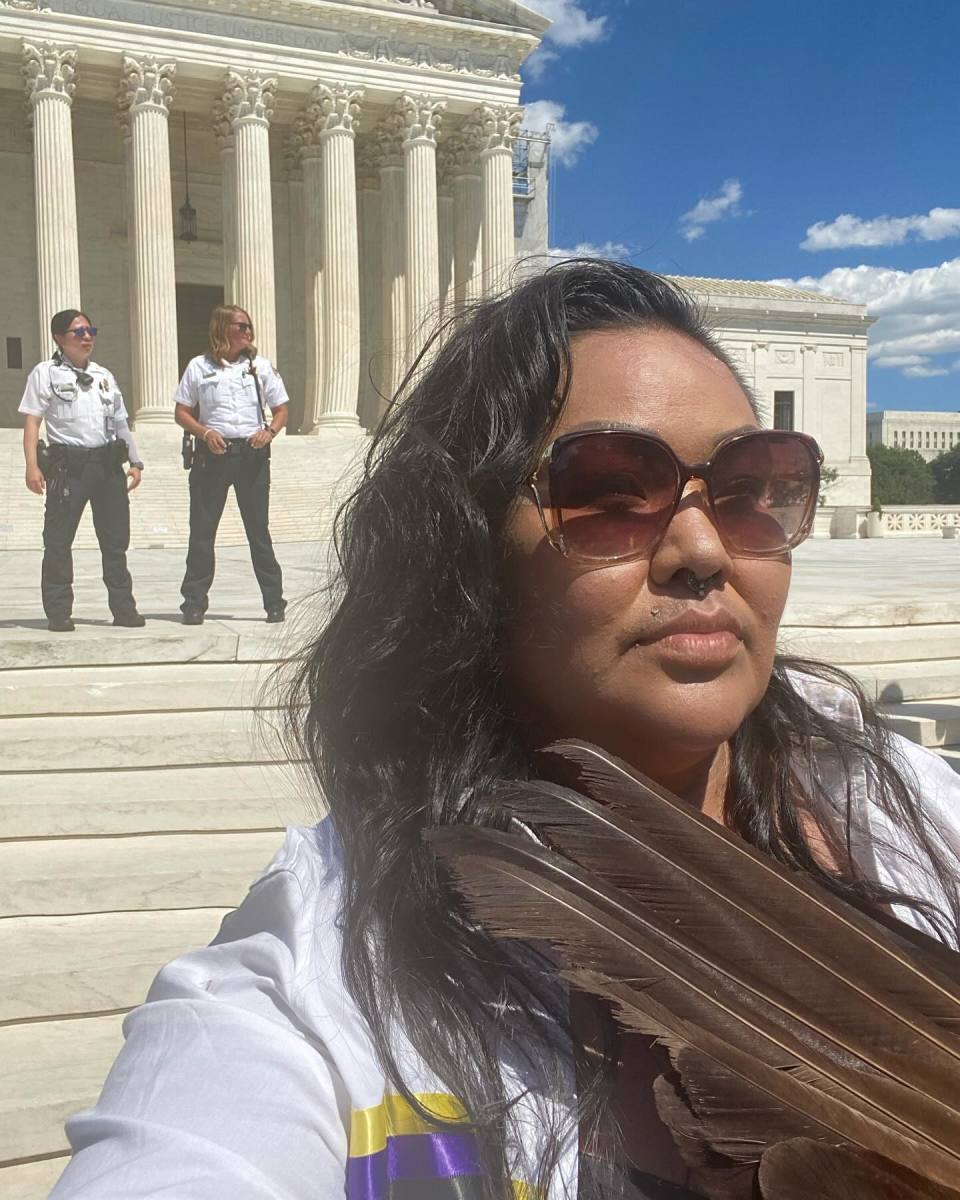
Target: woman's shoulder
[[287, 921]]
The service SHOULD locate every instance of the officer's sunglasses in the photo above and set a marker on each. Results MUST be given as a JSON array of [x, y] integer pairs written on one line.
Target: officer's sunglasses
[[243, 326], [81, 331], [608, 495]]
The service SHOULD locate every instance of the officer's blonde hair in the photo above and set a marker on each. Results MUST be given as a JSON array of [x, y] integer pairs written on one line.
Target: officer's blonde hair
[[220, 320]]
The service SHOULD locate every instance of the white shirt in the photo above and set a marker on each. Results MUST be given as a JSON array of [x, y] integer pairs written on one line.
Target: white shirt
[[77, 415], [250, 1075], [225, 394]]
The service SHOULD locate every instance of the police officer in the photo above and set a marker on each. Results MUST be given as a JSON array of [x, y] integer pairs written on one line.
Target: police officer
[[223, 401], [89, 441]]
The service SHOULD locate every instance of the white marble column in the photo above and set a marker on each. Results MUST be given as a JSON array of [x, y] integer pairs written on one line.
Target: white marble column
[[248, 100], [147, 95], [467, 215], [49, 74], [223, 131], [312, 166], [500, 123], [422, 115], [393, 284], [133, 287], [332, 113], [369, 404], [761, 357]]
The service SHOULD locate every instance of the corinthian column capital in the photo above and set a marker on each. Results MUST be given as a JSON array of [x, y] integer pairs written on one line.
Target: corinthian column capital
[[333, 108], [499, 124], [248, 96], [147, 83], [49, 70], [422, 115]]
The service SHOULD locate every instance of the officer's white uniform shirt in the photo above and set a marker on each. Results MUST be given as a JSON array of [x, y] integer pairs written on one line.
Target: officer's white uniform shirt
[[76, 415], [225, 394]]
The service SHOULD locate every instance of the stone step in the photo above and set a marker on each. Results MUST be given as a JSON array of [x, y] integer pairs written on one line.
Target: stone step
[[161, 687], [124, 874], [870, 644], [32, 1180], [52, 1069], [203, 799], [926, 722], [105, 741], [895, 683], [22, 649], [67, 965]]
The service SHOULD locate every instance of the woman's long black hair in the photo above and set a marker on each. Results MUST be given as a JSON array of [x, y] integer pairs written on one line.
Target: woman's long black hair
[[401, 708]]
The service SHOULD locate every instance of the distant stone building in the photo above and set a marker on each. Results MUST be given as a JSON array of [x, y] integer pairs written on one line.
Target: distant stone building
[[805, 356], [929, 433]]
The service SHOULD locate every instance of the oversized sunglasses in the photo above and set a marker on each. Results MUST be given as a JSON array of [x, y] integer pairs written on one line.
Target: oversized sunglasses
[[243, 326], [81, 331], [607, 495]]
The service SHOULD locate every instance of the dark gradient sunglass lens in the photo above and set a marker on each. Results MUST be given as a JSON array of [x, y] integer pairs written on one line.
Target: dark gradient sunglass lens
[[611, 494], [764, 490]]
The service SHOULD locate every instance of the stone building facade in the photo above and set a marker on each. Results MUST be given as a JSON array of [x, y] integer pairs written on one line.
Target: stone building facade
[[929, 433], [350, 166], [805, 357]]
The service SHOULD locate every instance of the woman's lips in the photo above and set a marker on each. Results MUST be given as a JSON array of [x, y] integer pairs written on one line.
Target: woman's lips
[[698, 649], [696, 637]]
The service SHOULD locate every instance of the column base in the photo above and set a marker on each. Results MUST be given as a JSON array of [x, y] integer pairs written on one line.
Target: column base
[[344, 425], [155, 417]]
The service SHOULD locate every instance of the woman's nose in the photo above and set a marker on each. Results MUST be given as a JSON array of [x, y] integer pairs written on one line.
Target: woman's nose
[[691, 542]]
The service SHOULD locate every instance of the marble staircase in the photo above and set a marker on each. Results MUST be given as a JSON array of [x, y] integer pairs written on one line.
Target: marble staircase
[[139, 798]]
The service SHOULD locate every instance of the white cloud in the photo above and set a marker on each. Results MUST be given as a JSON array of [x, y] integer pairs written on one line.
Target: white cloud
[[615, 250], [567, 138], [925, 372], [709, 209], [918, 312], [848, 230], [570, 24]]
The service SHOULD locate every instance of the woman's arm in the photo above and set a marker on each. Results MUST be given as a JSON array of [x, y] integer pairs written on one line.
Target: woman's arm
[[31, 436], [219, 1090]]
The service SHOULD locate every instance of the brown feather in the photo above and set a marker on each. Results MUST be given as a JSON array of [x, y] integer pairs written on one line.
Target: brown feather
[[807, 1170], [787, 1011]]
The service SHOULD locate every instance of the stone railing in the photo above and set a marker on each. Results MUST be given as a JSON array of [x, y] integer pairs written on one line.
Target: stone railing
[[919, 520], [896, 520]]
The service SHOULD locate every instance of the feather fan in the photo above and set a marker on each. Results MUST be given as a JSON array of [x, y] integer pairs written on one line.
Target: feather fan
[[816, 1051]]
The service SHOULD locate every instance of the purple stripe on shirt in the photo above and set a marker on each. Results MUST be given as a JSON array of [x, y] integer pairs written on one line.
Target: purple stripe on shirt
[[412, 1156]]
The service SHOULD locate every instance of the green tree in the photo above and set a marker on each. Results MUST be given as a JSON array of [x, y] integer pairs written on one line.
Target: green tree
[[946, 474], [899, 477]]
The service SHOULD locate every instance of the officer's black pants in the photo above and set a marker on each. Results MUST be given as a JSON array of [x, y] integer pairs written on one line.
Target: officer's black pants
[[211, 477], [89, 478]]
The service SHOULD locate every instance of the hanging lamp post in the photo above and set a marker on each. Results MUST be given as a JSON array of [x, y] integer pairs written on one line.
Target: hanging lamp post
[[188, 214]]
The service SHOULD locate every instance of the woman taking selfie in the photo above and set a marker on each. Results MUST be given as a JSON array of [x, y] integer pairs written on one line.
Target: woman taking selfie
[[572, 526]]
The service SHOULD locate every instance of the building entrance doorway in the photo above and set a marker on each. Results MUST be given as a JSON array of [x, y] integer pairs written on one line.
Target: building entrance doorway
[[194, 304]]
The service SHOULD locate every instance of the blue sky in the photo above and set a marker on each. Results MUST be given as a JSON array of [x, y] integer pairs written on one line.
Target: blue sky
[[768, 139]]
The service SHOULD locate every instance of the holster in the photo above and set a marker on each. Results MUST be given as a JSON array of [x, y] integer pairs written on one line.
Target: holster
[[188, 450], [52, 461]]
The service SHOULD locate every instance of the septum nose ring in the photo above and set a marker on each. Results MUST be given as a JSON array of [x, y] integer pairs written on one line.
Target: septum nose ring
[[699, 587]]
